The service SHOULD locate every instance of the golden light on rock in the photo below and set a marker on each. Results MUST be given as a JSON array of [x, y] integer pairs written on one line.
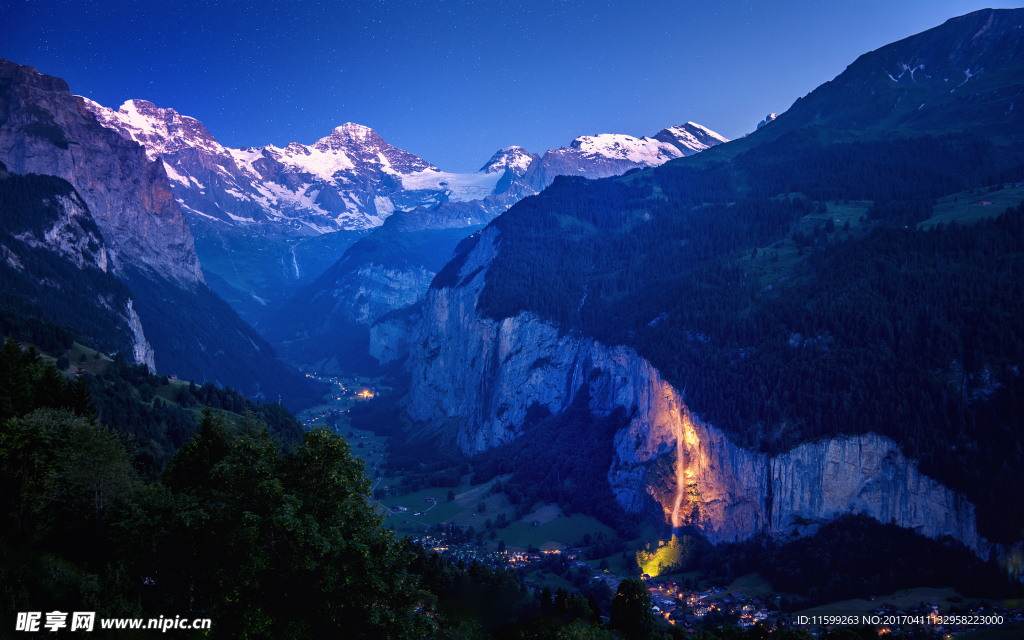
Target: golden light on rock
[[687, 443]]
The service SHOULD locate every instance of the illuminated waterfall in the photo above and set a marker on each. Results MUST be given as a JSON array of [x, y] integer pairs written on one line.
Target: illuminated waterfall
[[677, 427]]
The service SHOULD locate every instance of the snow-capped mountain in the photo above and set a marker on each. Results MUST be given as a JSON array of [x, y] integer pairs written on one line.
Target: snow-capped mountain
[[690, 138], [608, 154], [329, 320], [269, 219], [341, 181], [352, 179], [516, 159], [768, 118]]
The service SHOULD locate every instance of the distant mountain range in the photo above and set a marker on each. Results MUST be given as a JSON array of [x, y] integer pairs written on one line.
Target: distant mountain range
[[182, 214], [269, 219], [326, 323], [272, 225]]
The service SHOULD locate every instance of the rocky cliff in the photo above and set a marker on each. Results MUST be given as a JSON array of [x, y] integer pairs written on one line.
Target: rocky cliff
[[56, 264], [388, 270], [480, 376], [164, 311], [44, 129]]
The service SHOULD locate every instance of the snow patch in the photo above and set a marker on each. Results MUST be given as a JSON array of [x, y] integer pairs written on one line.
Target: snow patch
[[173, 174], [645, 151], [461, 187]]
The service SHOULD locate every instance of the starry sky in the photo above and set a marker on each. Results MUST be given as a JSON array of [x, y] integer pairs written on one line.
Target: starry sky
[[454, 80]]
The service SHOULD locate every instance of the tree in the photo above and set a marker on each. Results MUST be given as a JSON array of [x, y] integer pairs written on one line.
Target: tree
[[451, 495], [282, 545], [631, 610], [192, 465], [81, 397], [561, 603], [545, 601], [93, 467]]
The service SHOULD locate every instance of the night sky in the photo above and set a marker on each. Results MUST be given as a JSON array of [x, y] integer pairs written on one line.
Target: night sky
[[453, 81]]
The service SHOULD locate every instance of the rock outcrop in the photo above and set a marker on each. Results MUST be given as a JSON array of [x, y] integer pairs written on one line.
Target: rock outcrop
[[73, 234], [481, 376], [142, 352]]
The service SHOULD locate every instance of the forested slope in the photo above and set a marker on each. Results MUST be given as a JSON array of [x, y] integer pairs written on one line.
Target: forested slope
[[879, 327]]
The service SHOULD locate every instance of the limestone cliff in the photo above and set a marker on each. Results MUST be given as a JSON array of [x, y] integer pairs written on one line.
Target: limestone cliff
[[72, 234], [46, 130], [55, 261], [481, 375]]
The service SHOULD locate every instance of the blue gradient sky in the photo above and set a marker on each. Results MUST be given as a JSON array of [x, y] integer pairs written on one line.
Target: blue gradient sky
[[453, 81]]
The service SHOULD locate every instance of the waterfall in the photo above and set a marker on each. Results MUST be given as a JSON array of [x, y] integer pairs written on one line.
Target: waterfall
[[677, 427]]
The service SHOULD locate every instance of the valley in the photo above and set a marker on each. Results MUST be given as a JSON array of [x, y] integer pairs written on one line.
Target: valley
[[637, 387]]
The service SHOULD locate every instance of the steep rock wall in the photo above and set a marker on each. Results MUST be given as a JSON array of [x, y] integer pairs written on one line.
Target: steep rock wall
[[73, 235], [481, 376], [46, 130], [41, 247]]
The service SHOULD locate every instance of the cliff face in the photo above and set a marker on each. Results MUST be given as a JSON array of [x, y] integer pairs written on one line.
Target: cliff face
[[43, 234], [46, 130], [159, 285], [72, 234], [480, 376]]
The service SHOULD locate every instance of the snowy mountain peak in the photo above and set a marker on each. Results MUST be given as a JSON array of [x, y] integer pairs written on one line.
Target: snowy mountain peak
[[515, 158], [362, 145], [617, 146], [690, 138], [690, 125], [768, 118], [160, 131], [348, 135], [354, 130], [674, 142]]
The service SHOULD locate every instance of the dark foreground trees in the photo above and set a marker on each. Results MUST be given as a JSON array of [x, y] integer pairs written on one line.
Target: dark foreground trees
[[280, 545], [265, 543]]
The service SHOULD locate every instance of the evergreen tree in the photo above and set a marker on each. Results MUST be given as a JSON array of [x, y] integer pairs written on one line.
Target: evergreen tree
[[631, 610]]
